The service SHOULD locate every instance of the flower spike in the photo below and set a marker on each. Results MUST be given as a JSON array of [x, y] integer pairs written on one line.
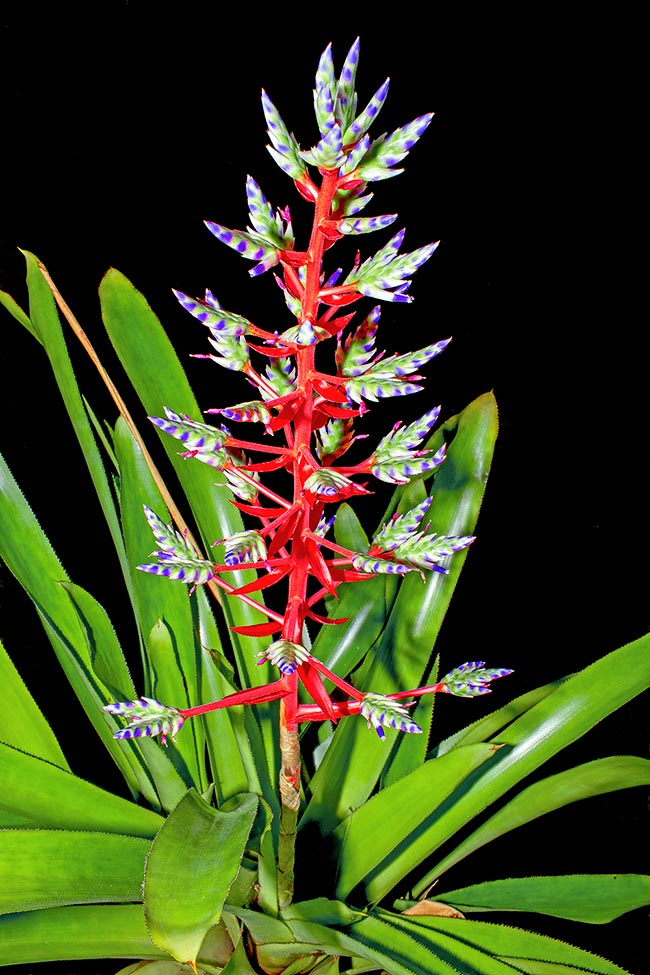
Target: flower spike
[[147, 718], [471, 679], [380, 711]]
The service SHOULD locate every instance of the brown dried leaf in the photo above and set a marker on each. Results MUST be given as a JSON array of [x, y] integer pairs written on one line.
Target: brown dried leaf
[[435, 908]]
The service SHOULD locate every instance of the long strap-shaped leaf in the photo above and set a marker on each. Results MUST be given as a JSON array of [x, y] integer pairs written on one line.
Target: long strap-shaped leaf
[[44, 795], [51, 868], [386, 820], [159, 380], [43, 322], [477, 945], [558, 720], [163, 609], [23, 723], [592, 898], [29, 556], [83, 932], [581, 782]]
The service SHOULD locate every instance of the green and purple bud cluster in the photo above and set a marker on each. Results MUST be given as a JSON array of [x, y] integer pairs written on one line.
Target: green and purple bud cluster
[[309, 415]]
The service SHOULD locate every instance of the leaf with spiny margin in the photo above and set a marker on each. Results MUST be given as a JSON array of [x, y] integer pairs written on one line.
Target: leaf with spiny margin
[[590, 898], [29, 555], [154, 369], [23, 723], [82, 867], [371, 833], [553, 792], [52, 797], [107, 657], [478, 946], [202, 871], [573, 708], [84, 931], [284, 148]]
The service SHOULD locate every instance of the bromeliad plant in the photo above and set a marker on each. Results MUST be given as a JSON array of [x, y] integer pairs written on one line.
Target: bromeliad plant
[[213, 862]]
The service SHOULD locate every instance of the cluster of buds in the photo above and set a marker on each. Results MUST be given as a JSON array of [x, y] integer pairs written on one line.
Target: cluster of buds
[[313, 413]]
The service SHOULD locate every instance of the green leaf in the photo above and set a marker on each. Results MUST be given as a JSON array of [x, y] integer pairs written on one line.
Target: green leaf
[[158, 378], [488, 726], [417, 953], [593, 898], [411, 750], [14, 309], [385, 822], [509, 944], [51, 868], [84, 932], [51, 796], [570, 711], [163, 610], [192, 865], [582, 782], [28, 554], [47, 329], [404, 651], [23, 723], [107, 659], [232, 764], [348, 530]]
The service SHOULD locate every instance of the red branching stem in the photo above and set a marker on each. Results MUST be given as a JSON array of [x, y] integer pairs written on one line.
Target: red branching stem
[[342, 684], [267, 492], [250, 695], [303, 466], [232, 591]]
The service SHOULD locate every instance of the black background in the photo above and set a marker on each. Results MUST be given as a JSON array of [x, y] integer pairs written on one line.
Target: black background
[[125, 126]]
